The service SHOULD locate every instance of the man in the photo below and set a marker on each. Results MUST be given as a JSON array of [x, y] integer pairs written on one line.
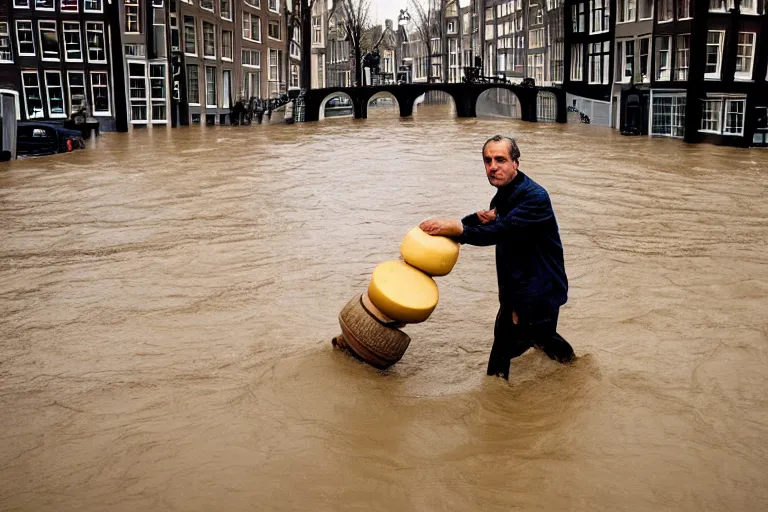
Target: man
[[529, 258]]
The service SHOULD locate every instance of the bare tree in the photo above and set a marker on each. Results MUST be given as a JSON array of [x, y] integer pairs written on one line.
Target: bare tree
[[428, 18], [303, 8], [357, 13]]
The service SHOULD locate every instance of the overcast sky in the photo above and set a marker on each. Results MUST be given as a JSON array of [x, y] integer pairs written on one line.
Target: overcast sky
[[383, 9]]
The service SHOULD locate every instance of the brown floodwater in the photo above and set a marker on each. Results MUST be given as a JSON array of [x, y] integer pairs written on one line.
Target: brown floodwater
[[167, 301]]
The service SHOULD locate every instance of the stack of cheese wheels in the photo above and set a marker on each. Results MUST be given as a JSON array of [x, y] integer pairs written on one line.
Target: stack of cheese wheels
[[405, 291], [399, 293]]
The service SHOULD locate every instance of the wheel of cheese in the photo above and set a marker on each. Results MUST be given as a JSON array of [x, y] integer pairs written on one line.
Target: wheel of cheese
[[403, 292], [435, 255]]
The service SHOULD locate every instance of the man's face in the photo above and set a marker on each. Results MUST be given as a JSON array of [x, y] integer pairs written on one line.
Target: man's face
[[499, 167]]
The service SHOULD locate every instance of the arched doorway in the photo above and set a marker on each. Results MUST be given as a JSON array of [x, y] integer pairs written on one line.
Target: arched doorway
[[498, 102]]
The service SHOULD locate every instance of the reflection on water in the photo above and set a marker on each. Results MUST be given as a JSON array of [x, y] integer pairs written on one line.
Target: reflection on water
[[168, 299]]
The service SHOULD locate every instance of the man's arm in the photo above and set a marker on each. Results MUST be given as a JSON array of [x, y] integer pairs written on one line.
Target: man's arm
[[526, 215]]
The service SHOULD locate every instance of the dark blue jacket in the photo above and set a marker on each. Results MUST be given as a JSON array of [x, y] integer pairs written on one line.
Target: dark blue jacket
[[529, 254]]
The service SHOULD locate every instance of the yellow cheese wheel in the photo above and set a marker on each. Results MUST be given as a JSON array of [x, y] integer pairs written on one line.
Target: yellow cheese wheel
[[402, 292], [435, 255]]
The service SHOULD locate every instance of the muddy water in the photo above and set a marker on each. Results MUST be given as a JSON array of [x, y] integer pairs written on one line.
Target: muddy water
[[168, 301]]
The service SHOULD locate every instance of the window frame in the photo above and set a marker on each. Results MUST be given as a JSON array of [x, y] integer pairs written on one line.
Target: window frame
[[101, 113], [99, 10], [658, 57], [215, 87], [193, 25], [203, 23], [196, 67], [79, 32], [32, 38], [679, 49], [132, 4], [103, 38], [71, 72], [7, 35], [55, 30], [718, 74], [24, 88], [745, 76], [579, 76]]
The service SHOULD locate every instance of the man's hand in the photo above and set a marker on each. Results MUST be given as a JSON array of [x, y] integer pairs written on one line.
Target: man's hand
[[487, 216], [442, 227]]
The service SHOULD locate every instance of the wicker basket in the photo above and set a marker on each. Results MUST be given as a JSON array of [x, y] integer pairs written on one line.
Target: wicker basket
[[375, 343]]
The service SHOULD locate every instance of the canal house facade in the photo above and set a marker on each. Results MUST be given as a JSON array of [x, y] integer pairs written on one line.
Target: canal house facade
[[59, 55]]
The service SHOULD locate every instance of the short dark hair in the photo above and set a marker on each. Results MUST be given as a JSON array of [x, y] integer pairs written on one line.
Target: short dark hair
[[514, 151]]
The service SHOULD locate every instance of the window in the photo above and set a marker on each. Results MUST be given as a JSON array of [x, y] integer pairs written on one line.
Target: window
[[44, 5], [93, 6], [226, 44], [193, 85], [668, 115], [578, 17], [761, 128], [273, 5], [73, 51], [625, 58], [251, 85], [206, 5], [745, 56], [600, 19], [273, 73], [100, 93], [577, 64], [158, 3], [209, 41], [665, 11], [720, 5], [710, 115], [645, 11], [76, 81], [451, 27], [253, 3], [69, 6], [137, 87], [24, 38], [49, 40], [683, 57], [132, 17], [536, 38], [536, 67], [6, 53], [21, 4], [734, 117], [210, 87], [294, 76], [663, 48], [226, 9], [714, 54], [190, 36], [683, 9], [251, 58], [645, 50], [274, 29], [55, 92], [558, 59], [251, 27], [627, 10], [748, 7], [94, 34], [157, 93], [317, 30], [33, 102], [598, 62], [726, 121]]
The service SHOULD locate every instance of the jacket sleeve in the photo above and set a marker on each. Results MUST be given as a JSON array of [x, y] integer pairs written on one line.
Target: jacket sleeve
[[471, 220], [525, 216]]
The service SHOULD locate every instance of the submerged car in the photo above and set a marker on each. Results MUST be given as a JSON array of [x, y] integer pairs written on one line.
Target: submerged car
[[46, 138]]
